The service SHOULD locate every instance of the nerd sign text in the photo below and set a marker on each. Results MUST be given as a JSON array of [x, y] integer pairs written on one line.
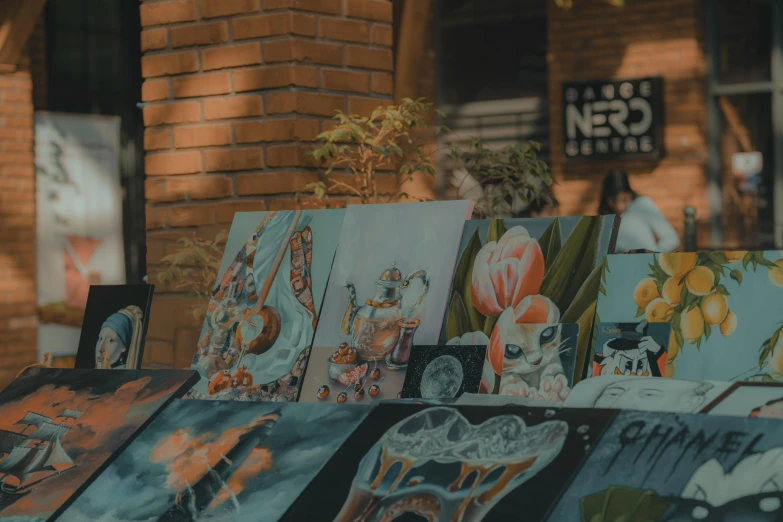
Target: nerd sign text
[[612, 119]]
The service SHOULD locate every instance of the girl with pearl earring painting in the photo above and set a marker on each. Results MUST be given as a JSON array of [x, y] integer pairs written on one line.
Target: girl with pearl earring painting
[[119, 341]]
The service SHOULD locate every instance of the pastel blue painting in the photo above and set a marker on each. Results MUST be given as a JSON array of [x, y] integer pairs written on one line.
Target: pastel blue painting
[[262, 314], [218, 461], [723, 306]]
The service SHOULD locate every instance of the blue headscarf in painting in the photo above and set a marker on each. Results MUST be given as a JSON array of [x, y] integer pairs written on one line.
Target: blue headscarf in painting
[[122, 325]]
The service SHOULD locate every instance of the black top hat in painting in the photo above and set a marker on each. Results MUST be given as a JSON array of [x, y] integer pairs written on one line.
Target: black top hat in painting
[[629, 336]]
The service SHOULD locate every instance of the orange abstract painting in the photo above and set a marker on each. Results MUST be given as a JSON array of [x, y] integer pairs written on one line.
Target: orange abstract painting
[[59, 427]]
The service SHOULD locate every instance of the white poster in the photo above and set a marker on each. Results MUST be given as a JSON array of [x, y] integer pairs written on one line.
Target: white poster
[[79, 220]]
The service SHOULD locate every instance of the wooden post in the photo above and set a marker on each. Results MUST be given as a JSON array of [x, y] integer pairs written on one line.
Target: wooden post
[[413, 31]]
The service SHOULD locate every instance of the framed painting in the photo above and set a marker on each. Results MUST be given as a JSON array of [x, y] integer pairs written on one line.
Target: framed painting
[[515, 272], [257, 334], [218, 460], [60, 428], [387, 292], [749, 399], [632, 349], [114, 327], [436, 372]]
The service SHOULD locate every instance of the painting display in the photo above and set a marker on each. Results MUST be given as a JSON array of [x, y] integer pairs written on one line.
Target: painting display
[[749, 399], [218, 461], [387, 290], [451, 464], [114, 327], [644, 394], [59, 428], [515, 272], [436, 372], [257, 334], [679, 467], [631, 349], [79, 223], [722, 326]]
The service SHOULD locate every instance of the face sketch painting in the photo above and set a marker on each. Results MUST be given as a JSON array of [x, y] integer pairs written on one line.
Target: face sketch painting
[[645, 394], [255, 341], [114, 327], [59, 427], [119, 339], [679, 468], [218, 461]]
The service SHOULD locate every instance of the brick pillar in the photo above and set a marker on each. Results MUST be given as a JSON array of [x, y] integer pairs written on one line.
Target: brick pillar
[[595, 40], [235, 91], [18, 308]]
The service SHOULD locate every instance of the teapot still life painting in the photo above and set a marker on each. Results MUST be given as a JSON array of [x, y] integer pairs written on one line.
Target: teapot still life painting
[[514, 273], [260, 321], [386, 292], [114, 327]]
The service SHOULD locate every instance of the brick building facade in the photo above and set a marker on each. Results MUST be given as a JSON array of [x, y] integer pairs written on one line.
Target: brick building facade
[[235, 92]]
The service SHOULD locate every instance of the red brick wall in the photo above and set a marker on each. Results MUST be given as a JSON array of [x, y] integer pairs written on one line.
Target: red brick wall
[[235, 93], [594, 40], [18, 309]]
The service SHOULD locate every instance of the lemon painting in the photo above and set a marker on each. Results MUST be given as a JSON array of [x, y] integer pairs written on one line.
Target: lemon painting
[[722, 306]]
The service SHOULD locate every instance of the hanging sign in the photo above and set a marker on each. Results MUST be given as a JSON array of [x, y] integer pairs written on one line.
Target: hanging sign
[[613, 119]]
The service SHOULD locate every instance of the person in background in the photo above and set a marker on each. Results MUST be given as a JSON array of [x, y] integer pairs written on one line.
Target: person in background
[[642, 226]]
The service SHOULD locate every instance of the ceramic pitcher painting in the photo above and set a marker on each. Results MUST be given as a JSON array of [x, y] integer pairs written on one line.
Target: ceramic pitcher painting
[[387, 290], [718, 305], [515, 278], [260, 321]]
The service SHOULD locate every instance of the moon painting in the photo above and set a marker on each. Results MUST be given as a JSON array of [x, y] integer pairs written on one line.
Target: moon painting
[[443, 372], [441, 378]]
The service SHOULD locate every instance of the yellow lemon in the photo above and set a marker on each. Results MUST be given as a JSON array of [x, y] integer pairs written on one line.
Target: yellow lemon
[[692, 325], [700, 280], [645, 292], [669, 372], [672, 290], [776, 273], [677, 263], [714, 308], [775, 361], [734, 256], [729, 324], [674, 348], [658, 311]]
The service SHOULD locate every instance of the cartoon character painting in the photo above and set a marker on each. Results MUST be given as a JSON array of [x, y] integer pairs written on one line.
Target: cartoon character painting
[[631, 351]]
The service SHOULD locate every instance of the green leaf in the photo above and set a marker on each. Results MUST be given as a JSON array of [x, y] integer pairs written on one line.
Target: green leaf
[[457, 321], [736, 275], [639, 311], [721, 289], [707, 331], [551, 242], [561, 281], [496, 230], [489, 325], [463, 281]]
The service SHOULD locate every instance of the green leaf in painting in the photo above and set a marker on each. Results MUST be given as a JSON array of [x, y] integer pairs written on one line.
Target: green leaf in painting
[[551, 242], [736, 275], [585, 298], [707, 331], [639, 312], [559, 278], [587, 261], [462, 282], [496, 230], [489, 325], [457, 320], [721, 289]]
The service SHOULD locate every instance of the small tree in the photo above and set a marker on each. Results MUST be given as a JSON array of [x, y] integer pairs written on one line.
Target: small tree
[[510, 175], [193, 268], [385, 141]]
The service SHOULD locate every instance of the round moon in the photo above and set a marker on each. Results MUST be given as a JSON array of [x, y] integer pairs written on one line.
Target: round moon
[[442, 378]]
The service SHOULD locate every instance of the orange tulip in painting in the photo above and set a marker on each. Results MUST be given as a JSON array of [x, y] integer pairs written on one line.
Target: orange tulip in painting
[[507, 271]]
